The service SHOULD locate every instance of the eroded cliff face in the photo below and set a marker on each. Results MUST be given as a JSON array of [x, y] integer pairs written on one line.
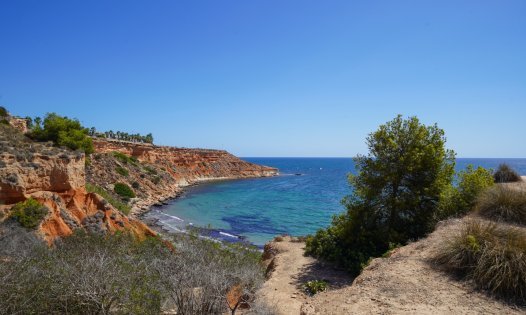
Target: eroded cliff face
[[160, 172], [188, 164], [56, 178]]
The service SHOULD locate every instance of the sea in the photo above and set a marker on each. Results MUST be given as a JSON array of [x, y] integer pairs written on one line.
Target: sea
[[301, 200]]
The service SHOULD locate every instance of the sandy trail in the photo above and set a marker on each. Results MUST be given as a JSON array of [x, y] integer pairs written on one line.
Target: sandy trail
[[404, 283], [284, 290]]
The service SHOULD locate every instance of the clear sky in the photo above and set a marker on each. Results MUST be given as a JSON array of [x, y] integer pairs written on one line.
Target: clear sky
[[272, 78]]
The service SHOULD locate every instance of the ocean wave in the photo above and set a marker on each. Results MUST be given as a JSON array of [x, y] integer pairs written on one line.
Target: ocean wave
[[227, 234]]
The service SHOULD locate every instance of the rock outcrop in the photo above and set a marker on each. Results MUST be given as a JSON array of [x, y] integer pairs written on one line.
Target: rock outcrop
[[56, 178]]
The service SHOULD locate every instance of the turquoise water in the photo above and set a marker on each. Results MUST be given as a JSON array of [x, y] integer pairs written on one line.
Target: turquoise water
[[259, 209]]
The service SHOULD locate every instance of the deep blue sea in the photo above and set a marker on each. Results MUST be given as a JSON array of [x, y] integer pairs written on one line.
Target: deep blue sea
[[259, 209]]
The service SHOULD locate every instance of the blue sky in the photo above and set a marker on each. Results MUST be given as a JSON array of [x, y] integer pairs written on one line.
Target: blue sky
[[272, 78]]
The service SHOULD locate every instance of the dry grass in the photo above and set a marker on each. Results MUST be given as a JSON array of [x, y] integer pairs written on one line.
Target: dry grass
[[492, 255], [503, 203]]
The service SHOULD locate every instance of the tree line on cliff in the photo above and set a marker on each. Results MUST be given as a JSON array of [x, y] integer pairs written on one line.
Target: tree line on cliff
[[69, 132]]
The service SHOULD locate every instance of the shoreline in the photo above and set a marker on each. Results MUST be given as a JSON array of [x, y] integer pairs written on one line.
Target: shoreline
[[155, 224], [142, 207]]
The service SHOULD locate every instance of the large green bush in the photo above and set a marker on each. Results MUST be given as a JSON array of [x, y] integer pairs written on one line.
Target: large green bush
[[395, 194], [492, 256], [29, 213], [123, 190], [459, 199], [62, 131]]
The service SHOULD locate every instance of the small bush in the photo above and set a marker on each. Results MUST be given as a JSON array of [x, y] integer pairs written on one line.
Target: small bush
[[503, 203], [315, 286], [458, 200], [150, 170], [156, 180], [135, 185], [125, 158], [3, 112], [505, 174], [123, 190], [122, 171], [119, 205], [29, 213], [492, 256]]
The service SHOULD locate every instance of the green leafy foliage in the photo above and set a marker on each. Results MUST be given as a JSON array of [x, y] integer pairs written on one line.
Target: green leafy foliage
[[503, 203], [315, 286], [125, 158], [63, 131], [29, 213], [119, 205], [150, 170], [3, 112], [123, 190], [395, 194], [460, 199], [492, 256], [124, 136], [505, 174], [122, 171]]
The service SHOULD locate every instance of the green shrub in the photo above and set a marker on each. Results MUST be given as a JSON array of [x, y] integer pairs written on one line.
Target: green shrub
[[3, 112], [503, 203], [116, 203], [123, 190], [63, 131], [315, 286], [150, 170], [395, 194], [492, 256], [29, 213], [459, 200], [156, 180], [125, 158], [122, 171], [135, 185], [505, 174]]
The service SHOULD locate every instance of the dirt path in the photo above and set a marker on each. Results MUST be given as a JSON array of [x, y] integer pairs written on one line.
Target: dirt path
[[284, 290], [404, 283]]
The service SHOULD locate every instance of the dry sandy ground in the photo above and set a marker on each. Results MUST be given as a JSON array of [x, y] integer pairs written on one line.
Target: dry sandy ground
[[404, 283], [284, 290]]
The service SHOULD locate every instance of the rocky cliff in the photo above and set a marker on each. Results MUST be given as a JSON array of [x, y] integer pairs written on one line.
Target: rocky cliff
[[56, 178], [158, 172]]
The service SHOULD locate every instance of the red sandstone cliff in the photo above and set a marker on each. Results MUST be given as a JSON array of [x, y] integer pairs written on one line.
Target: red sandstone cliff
[[161, 172], [56, 178]]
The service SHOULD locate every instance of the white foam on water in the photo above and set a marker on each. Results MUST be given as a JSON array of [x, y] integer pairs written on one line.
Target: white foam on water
[[173, 217], [226, 234]]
